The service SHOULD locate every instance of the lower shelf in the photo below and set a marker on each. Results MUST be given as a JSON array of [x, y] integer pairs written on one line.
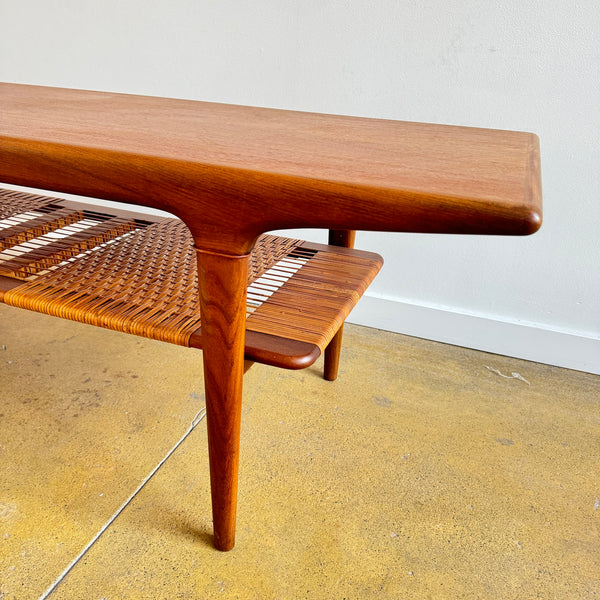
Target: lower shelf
[[137, 274]]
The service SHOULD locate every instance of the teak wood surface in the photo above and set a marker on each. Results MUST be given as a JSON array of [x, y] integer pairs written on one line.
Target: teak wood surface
[[233, 172]]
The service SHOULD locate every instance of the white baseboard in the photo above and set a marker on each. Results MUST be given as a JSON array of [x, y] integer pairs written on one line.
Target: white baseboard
[[527, 341]]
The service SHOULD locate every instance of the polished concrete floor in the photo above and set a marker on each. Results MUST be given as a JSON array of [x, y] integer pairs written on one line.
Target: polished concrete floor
[[425, 471]]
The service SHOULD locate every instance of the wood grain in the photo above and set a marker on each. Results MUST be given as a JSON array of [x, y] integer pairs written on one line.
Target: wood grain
[[344, 238], [233, 172], [222, 282]]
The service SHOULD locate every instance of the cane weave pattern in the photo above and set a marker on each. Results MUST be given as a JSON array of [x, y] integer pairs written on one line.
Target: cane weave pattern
[[138, 276], [13, 202]]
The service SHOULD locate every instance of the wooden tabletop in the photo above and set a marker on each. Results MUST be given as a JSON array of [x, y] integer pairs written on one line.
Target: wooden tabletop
[[232, 172]]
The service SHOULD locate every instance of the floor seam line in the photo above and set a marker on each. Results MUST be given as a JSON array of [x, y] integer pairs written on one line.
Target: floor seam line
[[195, 421]]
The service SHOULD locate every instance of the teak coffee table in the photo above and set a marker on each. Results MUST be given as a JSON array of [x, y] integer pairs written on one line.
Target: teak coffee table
[[210, 278]]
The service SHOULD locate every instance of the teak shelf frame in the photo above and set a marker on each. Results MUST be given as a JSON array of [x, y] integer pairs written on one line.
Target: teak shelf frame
[[232, 173]]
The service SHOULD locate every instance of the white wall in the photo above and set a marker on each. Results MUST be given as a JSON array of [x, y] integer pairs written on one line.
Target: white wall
[[510, 64]]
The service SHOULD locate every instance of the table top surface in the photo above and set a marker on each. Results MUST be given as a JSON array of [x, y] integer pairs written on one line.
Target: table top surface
[[269, 157]]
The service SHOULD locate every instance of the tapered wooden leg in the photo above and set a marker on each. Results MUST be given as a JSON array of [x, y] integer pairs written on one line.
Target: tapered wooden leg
[[223, 281], [345, 238], [342, 237], [332, 356]]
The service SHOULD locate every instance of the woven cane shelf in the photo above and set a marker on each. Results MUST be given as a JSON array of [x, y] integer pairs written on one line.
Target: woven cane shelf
[[137, 274]]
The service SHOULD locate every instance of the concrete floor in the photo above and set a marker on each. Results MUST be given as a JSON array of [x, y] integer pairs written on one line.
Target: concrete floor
[[421, 473]]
